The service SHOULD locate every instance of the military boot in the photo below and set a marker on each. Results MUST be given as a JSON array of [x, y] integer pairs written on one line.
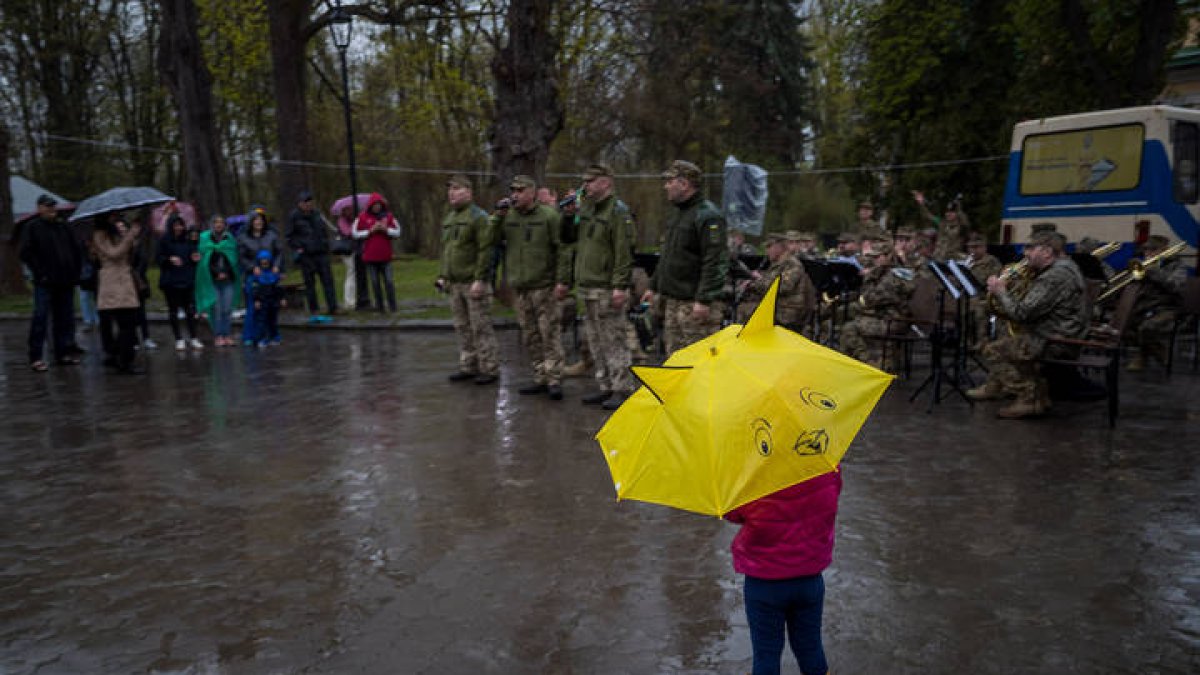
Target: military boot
[[1020, 408], [988, 391]]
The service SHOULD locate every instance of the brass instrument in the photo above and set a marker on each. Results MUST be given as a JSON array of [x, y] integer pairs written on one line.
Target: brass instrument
[[1015, 270], [1102, 252], [1137, 270]]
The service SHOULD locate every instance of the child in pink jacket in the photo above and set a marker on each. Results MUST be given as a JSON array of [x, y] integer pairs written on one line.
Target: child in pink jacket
[[786, 541]]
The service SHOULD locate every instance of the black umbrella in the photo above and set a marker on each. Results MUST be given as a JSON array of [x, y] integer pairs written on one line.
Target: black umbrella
[[118, 199]]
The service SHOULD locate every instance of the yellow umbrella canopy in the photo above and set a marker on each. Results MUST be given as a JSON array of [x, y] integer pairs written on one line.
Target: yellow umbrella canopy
[[739, 415]]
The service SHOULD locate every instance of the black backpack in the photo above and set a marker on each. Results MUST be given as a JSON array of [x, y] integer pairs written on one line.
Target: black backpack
[[218, 264]]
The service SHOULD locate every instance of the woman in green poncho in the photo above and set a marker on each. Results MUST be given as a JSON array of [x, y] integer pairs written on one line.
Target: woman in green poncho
[[217, 278]]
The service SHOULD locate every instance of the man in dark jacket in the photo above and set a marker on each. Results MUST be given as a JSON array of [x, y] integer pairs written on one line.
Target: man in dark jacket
[[691, 270], [54, 257], [310, 242]]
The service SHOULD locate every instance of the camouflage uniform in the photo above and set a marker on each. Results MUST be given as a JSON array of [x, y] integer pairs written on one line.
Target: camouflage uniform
[[885, 294], [1053, 305], [1156, 309], [535, 260], [468, 241], [987, 266], [796, 299], [604, 263], [692, 268], [949, 234]]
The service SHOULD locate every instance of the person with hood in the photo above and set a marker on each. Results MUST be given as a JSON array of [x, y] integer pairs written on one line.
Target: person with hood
[[306, 234], [257, 236], [216, 278], [376, 227], [55, 258], [177, 257], [262, 288]]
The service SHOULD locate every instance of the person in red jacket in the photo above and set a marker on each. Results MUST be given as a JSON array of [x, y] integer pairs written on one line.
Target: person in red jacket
[[786, 541], [378, 227]]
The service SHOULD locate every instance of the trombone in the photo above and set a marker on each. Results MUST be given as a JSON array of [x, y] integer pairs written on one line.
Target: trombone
[[1102, 252], [1137, 270]]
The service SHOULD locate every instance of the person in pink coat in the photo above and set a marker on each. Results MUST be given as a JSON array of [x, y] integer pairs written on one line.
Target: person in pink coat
[[376, 227], [785, 543]]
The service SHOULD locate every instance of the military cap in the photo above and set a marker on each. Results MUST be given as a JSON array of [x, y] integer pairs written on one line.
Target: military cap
[[792, 235], [459, 180], [976, 238], [883, 249], [522, 181], [864, 204], [905, 231], [877, 236], [46, 200], [846, 237], [684, 169], [1157, 242], [597, 170], [775, 237], [1047, 238], [1043, 227]]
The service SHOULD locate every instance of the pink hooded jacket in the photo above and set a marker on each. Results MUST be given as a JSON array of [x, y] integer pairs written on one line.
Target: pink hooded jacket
[[789, 533]]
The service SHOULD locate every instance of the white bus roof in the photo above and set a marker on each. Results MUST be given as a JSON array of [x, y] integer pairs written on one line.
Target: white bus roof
[[1101, 118]]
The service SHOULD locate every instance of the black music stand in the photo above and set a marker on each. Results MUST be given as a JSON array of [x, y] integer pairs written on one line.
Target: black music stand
[[841, 280], [949, 284], [974, 288]]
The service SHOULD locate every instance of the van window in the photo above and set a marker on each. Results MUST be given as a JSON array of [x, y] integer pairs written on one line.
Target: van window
[[1083, 160], [1186, 170]]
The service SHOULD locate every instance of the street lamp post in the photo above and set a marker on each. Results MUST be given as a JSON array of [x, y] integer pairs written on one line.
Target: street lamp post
[[341, 23]]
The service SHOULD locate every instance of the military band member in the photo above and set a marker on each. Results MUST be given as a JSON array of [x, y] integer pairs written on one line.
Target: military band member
[[796, 297], [603, 271], [468, 242], [951, 227], [1157, 305], [803, 245], [1053, 305], [867, 224], [982, 265], [885, 294], [694, 262], [538, 267]]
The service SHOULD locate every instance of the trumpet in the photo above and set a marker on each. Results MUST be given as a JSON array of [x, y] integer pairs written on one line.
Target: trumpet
[[1137, 270]]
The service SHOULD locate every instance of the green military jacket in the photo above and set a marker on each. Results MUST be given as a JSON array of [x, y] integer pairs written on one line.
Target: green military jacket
[[1053, 305], [1162, 287], [987, 266], [604, 248], [468, 241], [796, 297], [886, 291], [534, 255], [695, 257]]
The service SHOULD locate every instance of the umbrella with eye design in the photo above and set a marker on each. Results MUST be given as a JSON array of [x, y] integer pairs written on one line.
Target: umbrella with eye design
[[744, 413]]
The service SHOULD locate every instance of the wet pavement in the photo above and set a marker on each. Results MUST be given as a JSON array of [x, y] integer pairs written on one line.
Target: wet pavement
[[336, 506]]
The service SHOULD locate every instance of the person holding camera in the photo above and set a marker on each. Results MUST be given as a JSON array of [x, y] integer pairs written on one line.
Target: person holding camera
[[468, 244], [539, 271], [603, 272]]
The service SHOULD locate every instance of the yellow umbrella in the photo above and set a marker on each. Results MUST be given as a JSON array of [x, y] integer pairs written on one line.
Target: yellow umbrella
[[739, 415]]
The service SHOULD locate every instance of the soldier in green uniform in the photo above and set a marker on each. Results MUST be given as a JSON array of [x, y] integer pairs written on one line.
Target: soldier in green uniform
[[603, 273], [694, 262], [1157, 305], [538, 268], [802, 245], [468, 242], [796, 299], [1053, 305], [982, 265], [951, 227], [885, 293], [867, 225]]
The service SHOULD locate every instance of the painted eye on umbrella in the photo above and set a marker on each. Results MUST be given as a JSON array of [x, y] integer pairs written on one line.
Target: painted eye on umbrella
[[762, 436], [818, 400]]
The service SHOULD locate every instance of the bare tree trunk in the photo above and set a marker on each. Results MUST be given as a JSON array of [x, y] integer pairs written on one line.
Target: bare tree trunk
[[11, 282], [528, 114], [181, 64], [288, 19]]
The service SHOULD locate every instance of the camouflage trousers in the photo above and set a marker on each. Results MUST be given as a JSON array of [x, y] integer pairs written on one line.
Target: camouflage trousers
[[1152, 332], [855, 343], [604, 328], [541, 331], [473, 324], [681, 329], [1014, 370]]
